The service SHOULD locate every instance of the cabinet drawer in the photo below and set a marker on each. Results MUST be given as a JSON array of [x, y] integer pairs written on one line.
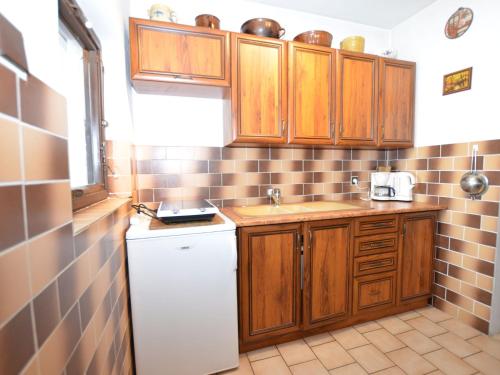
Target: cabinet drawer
[[374, 292], [376, 244], [375, 263], [375, 225]]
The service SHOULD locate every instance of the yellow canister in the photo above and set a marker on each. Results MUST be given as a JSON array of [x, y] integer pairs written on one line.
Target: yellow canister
[[353, 43]]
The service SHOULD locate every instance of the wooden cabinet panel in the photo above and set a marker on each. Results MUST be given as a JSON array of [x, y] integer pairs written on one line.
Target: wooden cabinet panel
[[374, 292], [259, 89], [370, 264], [416, 254], [396, 103], [327, 251], [269, 276], [375, 244], [356, 93], [311, 93], [168, 52], [375, 225]]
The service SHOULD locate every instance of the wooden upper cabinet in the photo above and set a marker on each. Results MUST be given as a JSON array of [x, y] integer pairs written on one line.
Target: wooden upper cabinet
[[259, 89], [396, 103], [269, 281], [169, 52], [416, 255], [327, 250], [311, 94], [356, 99]]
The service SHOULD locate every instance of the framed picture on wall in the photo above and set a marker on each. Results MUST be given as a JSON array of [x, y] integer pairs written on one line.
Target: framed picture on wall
[[457, 81]]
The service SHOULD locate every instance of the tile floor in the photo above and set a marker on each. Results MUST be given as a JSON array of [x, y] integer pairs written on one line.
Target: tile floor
[[424, 341]]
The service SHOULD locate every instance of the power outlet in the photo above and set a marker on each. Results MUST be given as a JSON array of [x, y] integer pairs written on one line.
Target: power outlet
[[354, 180]]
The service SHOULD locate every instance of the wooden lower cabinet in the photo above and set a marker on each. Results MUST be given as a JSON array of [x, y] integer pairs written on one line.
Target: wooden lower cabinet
[[327, 251], [301, 279], [416, 255], [269, 281]]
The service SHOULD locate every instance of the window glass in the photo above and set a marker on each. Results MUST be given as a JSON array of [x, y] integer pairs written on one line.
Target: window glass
[[73, 81]]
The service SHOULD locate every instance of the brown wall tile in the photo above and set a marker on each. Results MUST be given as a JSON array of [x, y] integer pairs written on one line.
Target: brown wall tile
[[43, 107], [481, 237], [478, 265], [473, 321], [58, 347], [45, 156], [258, 153], [50, 254], [464, 163], [459, 300], [47, 315], [429, 151], [467, 220], [49, 206], [455, 149], [16, 343], [8, 92], [10, 153], [11, 216], [468, 248], [462, 274], [488, 147], [73, 281], [441, 164], [476, 294]]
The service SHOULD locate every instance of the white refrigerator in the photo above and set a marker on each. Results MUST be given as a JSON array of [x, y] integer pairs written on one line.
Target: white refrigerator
[[183, 298]]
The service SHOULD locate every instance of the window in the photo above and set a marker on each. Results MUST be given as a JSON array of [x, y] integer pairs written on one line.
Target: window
[[82, 78]]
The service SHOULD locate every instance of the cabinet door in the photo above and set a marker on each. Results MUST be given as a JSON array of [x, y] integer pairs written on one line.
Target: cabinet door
[[396, 103], [269, 277], [416, 254], [259, 90], [311, 94], [162, 51], [356, 99], [327, 250]]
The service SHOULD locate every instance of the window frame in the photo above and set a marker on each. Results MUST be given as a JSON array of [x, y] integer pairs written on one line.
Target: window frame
[[73, 19]]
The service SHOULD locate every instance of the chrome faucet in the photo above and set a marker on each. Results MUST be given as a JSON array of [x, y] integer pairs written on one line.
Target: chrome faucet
[[275, 195]]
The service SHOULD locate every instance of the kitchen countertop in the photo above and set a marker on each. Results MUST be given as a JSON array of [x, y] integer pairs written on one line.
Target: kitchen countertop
[[368, 208]]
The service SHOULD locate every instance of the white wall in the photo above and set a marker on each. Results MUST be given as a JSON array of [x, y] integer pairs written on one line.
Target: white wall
[[38, 21], [465, 116], [164, 120]]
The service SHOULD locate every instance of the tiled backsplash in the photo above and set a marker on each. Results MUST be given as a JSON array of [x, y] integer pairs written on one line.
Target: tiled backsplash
[[239, 176], [466, 242], [63, 297], [467, 230]]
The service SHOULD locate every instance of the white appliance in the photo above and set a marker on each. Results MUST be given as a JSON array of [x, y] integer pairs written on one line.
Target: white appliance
[[183, 296], [392, 186]]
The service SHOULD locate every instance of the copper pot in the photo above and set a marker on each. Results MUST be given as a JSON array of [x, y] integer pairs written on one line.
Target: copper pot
[[318, 37], [207, 20], [263, 27]]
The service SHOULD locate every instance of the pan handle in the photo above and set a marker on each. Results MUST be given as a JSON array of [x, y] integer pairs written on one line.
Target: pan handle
[[281, 33]]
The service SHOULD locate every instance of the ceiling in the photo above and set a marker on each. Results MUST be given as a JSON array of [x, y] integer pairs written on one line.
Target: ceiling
[[381, 13]]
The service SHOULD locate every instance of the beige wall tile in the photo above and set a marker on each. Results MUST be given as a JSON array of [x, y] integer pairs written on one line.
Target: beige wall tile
[[14, 279], [10, 153]]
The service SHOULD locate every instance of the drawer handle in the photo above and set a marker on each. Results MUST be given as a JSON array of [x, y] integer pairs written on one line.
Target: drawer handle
[[373, 293], [379, 243], [380, 263], [381, 224]]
